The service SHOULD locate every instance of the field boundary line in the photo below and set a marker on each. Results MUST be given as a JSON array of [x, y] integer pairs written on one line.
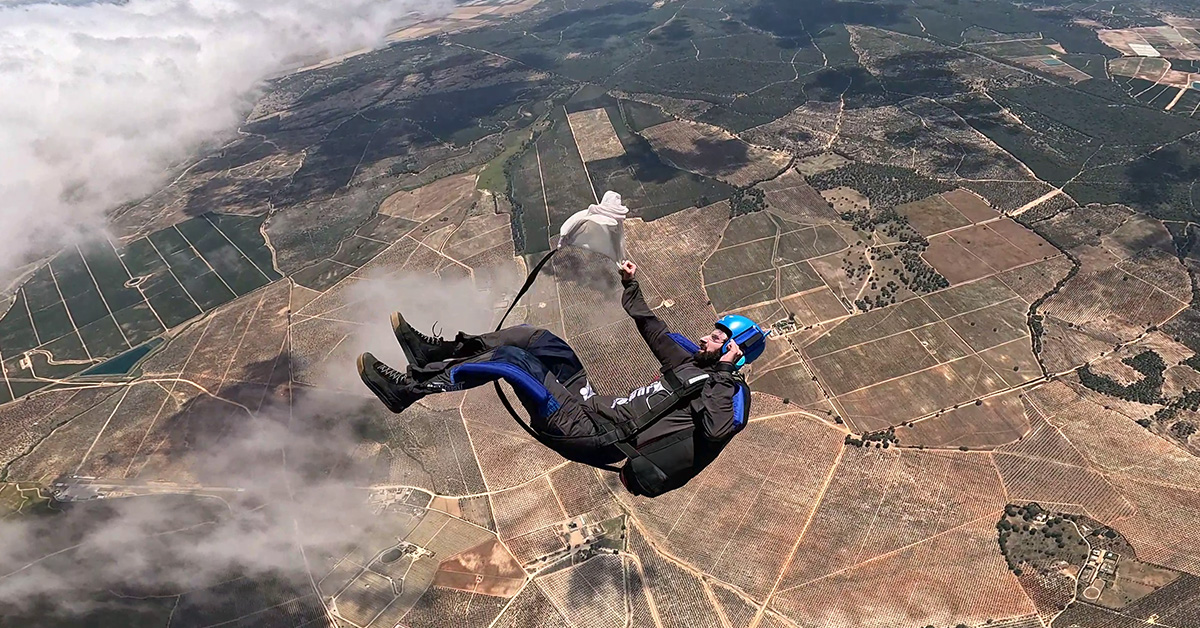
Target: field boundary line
[[1102, 472], [989, 514], [1155, 288], [70, 317], [883, 495], [87, 453], [138, 287], [803, 531], [103, 300], [171, 392], [666, 554], [546, 474], [925, 297], [553, 602], [909, 329], [742, 519], [36, 335], [236, 247], [173, 275], [205, 260], [930, 368], [233, 356]]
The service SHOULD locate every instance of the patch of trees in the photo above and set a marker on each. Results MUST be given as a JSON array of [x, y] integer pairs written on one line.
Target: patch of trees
[[885, 186], [746, 200], [1117, 126], [881, 439], [1183, 430], [1190, 401], [1193, 362], [917, 275], [517, 215], [1146, 390], [1034, 319], [1185, 327], [640, 116], [1158, 183], [1029, 535]]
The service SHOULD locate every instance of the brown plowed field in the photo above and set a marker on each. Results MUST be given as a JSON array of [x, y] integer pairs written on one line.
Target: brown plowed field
[[958, 576], [997, 421]]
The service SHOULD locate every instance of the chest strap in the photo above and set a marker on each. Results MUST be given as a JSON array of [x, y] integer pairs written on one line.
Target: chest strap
[[681, 392]]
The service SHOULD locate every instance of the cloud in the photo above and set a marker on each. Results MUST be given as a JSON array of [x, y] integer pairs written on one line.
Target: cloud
[[432, 305], [102, 100], [290, 476], [261, 512]]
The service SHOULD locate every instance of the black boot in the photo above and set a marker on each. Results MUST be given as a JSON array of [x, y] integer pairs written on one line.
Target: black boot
[[418, 348], [395, 389]]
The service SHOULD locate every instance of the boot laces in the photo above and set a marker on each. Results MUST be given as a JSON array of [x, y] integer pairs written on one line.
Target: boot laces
[[436, 338], [393, 375]]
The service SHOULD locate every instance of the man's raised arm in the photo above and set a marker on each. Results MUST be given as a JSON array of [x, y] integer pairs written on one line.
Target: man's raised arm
[[653, 330]]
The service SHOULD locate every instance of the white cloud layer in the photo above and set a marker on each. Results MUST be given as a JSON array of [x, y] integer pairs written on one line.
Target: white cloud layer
[[297, 467], [100, 100]]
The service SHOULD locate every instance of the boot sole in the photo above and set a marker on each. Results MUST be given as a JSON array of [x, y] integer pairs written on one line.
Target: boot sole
[[398, 323], [363, 371]]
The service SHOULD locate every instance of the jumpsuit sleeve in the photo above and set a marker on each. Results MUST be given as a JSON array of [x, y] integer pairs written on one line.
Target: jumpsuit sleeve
[[718, 421], [653, 330]]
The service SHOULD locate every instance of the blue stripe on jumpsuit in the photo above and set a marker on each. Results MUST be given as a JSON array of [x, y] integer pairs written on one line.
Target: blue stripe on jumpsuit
[[519, 368]]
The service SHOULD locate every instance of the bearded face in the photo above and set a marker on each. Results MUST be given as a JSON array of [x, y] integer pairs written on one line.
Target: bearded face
[[710, 348]]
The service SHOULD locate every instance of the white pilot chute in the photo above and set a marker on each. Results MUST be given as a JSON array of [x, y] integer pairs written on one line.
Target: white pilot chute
[[600, 228]]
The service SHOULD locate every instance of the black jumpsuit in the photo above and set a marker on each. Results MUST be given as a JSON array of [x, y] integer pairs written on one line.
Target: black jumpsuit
[[565, 411]]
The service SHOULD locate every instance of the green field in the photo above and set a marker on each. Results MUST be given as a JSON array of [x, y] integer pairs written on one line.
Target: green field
[[97, 301]]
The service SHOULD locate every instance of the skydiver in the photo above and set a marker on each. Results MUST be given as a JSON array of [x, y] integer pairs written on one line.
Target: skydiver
[[668, 431]]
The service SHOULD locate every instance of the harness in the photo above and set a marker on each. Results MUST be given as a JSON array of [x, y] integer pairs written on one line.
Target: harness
[[664, 464], [645, 466], [680, 393]]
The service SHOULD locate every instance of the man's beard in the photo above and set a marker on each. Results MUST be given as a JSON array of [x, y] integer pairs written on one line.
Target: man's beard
[[706, 359]]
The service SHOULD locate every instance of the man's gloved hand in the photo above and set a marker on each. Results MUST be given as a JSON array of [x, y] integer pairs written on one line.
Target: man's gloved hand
[[628, 268]]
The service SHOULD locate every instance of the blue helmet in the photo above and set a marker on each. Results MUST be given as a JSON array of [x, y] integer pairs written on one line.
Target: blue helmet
[[746, 333]]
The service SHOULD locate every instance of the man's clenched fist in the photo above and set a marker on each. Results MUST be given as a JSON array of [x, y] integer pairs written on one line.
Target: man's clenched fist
[[628, 268]]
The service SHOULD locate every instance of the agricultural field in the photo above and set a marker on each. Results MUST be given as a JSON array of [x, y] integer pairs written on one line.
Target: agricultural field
[[649, 184], [763, 257], [594, 135], [969, 227], [713, 152], [1039, 55], [1128, 281], [926, 355], [549, 183], [961, 578], [749, 504], [1175, 42], [1154, 69], [993, 422], [95, 303]]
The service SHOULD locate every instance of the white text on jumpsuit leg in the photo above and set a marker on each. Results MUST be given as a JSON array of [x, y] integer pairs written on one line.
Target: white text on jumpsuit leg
[[641, 392]]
